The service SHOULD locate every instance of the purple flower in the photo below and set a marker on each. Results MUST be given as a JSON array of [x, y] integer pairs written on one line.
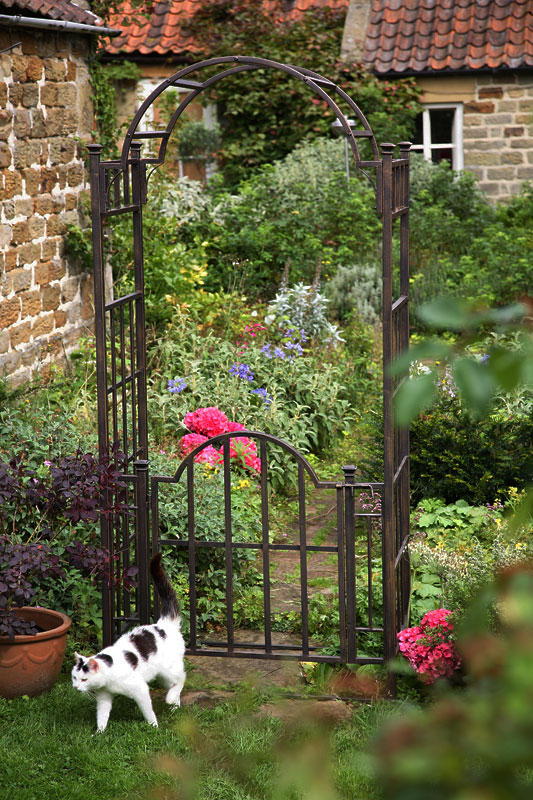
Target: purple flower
[[264, 394], [266, 350], [295, 347], [242, 371], [176, 386], [279, 353]]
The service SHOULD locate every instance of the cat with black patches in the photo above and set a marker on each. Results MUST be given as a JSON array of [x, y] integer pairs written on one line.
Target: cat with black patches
[[139, 656]]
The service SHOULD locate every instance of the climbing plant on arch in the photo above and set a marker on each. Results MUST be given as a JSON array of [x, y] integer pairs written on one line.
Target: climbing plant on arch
[[119, 187]]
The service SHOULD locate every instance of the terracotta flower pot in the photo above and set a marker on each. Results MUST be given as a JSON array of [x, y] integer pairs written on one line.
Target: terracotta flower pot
[[30, 664]]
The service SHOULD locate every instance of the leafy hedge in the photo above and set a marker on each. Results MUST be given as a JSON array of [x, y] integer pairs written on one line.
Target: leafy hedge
[[454, 456]]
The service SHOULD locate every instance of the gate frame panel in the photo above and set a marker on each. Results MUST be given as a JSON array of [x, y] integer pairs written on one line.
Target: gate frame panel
[[119, 186]]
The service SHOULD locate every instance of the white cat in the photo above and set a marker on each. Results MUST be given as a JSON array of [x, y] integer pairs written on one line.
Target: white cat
[[140, 655]]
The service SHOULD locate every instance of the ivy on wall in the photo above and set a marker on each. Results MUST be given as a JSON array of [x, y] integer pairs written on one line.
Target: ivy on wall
[[265, 113]]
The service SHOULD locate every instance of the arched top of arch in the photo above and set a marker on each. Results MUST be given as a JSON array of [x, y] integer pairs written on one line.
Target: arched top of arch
[[232, 65]]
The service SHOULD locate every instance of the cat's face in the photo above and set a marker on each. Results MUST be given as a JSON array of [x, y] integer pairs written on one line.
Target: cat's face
[[86, 674]]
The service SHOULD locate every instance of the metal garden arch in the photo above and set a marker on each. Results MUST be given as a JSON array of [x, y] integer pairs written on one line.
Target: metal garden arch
[[120, 187]]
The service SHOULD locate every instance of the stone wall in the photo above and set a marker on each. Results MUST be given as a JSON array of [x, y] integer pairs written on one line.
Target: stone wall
[[45, 117], [498, 133], [497, 126]]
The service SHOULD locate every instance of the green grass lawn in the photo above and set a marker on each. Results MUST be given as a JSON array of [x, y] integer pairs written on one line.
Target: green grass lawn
[[50, 751]]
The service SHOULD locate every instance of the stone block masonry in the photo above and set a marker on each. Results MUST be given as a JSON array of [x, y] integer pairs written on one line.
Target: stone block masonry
[[498, 132], [46, 118]]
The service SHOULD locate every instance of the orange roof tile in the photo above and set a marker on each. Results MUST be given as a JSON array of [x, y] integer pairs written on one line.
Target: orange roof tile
[[164, 30], [62, 10], [406, 36]]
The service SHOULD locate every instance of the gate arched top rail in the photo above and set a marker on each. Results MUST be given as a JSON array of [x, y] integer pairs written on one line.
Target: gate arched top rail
[[266, 437], [243, 64]]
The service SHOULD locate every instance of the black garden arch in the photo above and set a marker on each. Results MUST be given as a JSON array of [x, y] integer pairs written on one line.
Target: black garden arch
[[120, 187]]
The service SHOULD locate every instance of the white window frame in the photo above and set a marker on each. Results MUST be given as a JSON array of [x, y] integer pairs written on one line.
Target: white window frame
[[456, 145]]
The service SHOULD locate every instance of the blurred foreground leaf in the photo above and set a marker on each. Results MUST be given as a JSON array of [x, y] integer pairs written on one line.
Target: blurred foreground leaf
[[413, 395]]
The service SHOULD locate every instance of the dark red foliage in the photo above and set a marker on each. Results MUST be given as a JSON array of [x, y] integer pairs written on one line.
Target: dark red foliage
[[33, 510]]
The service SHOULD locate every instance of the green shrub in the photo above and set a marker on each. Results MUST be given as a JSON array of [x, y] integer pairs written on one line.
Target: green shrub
[[356, 289], [295, 218], [172, 268], [462, 246], [448, 212], [455, 747], [454, 456], [304, 307]]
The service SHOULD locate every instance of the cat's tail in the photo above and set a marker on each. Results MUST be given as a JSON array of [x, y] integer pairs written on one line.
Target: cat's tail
[[169, 602]]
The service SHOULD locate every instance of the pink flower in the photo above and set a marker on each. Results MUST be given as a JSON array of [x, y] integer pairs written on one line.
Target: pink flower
[[429, 647], [244, 451], [209, 455], [206, 421], [188, 442], [235, 426]]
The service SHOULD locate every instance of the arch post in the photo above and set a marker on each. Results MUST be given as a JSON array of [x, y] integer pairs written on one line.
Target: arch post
[[389, 587]]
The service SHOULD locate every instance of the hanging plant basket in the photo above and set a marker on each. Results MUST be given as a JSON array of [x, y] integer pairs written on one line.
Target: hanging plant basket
[[29, 665]]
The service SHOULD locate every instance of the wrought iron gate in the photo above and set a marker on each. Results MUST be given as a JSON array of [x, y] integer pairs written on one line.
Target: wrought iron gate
[[119, 187]]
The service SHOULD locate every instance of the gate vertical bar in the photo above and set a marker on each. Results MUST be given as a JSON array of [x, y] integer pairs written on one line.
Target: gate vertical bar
[[341, 568], [101, 367], [388, 544], [349, 540], [265, 545]]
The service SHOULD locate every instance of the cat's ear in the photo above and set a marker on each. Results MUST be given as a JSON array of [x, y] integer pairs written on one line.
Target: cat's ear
[[78, 656], [93, 665]]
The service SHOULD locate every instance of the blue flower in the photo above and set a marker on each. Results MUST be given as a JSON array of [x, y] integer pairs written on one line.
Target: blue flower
[[242, 371], [279, 353], [295, 347], [264, 394], [266, 350], [176, 386]]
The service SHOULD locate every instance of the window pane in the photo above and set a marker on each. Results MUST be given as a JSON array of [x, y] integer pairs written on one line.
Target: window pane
[[419, 135], [442, 154], [441, 125]]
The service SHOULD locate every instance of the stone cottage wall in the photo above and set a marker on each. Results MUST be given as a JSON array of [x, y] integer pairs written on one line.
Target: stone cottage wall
[[497, 125], [498, 133], [45, 115]]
